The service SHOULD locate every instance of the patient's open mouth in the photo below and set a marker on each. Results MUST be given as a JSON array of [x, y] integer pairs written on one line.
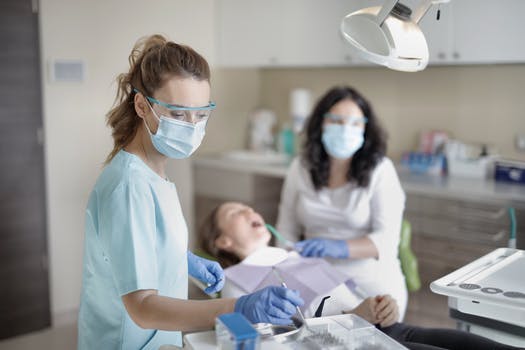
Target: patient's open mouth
[[256, 224]]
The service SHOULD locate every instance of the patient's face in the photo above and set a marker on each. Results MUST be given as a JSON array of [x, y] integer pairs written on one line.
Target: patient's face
[[243, 229]]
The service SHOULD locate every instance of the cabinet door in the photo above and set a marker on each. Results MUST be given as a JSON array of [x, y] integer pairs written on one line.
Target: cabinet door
[[249, 32], [489, 31], [254, 33], [311, 33], [439, 33]]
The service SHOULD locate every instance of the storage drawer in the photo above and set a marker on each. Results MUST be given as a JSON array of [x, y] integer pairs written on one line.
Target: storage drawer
[[459, 230], [495, 212], [468, 221]]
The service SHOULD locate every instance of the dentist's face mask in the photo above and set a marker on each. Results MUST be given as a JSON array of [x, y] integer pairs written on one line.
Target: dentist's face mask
[[181, 129], [342, 138]]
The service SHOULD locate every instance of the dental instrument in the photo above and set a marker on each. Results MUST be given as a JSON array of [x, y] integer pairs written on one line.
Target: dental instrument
[[289, 245], [280, 279]]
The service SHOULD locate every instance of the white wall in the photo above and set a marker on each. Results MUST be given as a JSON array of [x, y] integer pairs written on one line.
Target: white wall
[[101, 33]]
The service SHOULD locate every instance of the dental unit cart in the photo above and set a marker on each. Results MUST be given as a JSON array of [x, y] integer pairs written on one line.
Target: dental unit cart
[[327, 333], [487, 296]]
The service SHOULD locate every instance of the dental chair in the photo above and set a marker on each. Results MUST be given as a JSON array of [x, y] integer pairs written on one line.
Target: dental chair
[[409, 264]]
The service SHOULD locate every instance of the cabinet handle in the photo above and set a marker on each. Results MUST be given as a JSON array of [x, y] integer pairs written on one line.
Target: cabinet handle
[[476, 237], [456, 55], [480, 213], [34, 6], [40, 136], [457, 234], [442, 55]]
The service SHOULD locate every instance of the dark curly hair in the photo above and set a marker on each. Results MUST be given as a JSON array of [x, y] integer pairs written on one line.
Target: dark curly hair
[[314, 156]]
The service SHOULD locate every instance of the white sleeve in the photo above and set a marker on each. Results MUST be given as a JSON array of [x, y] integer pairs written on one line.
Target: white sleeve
[[386, 207], [287, 223]]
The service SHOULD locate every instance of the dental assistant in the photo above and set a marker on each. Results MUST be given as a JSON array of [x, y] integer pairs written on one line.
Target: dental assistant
[[136, 262], [343, 198]]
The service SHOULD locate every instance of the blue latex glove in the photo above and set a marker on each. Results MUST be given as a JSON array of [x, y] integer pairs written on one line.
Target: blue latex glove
[[207, 271], [272, 304], [321, 248]]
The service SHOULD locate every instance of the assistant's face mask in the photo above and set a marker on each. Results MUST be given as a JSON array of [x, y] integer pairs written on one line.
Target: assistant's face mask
[[175, 138], [342, 140]]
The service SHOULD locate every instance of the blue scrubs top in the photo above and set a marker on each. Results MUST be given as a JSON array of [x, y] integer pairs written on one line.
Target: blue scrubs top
[[135, 238]]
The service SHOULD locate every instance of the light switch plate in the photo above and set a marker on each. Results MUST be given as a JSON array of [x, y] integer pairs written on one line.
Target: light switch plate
[[67, 70]]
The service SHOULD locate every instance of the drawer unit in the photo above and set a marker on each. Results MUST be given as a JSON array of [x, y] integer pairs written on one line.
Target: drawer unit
[[467, 221], [449, 233]]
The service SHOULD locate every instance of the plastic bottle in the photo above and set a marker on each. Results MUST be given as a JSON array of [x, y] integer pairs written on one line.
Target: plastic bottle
[[287, 140]]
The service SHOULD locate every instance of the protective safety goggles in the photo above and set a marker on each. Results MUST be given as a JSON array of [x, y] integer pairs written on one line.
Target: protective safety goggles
[[187, 114], [341, 119]]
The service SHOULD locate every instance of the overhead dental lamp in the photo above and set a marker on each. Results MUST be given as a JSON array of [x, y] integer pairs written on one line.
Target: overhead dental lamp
[[389, 35]]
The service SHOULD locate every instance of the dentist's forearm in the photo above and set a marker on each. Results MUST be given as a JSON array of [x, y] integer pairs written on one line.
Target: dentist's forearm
[[153, 311]]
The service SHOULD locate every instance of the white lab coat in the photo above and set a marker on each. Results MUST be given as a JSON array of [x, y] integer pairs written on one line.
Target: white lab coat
[[351, 212]]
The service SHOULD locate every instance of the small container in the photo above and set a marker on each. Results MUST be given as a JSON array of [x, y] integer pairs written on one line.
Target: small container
[[286, 142], [234, 332], [510, 171], [424, 163]]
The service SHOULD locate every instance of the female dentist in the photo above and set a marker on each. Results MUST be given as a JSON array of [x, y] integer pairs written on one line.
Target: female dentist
[[136, 263], [343, 195]]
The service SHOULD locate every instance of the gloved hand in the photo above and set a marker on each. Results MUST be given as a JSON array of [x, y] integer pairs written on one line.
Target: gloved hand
[[207, 271], [320, 247], [272, 304]]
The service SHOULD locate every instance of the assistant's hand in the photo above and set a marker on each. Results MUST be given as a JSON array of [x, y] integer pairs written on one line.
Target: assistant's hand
[[272, 304], [207, 271], [320, 247], [387, 312]]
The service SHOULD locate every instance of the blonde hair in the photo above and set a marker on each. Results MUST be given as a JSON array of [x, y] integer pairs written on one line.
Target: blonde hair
[[152, 61]]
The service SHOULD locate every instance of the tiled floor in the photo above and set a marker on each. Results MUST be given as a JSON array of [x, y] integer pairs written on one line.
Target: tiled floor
[[58, 338]]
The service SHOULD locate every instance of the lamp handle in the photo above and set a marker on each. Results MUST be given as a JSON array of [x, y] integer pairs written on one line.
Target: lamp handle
[[423, 8]]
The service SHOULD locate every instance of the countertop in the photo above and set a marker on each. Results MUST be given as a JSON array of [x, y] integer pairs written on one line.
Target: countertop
[[438, 186]]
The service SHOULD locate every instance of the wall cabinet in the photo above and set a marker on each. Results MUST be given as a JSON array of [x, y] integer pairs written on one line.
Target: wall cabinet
[[273, 33], [248, 32], [476, 31]]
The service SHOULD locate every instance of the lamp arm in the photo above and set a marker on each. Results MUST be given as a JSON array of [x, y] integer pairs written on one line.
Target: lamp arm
[[385, 11]]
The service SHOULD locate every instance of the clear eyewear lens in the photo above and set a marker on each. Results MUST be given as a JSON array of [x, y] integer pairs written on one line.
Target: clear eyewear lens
[[193, 116], [187, 114], [339, 119]]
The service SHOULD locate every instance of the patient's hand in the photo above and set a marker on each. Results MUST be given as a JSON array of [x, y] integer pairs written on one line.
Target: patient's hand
[[386, 310], [366, 310], [381, 309]]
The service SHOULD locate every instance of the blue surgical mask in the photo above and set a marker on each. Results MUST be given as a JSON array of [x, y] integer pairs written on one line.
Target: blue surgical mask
[[175, 138], [342, 140]]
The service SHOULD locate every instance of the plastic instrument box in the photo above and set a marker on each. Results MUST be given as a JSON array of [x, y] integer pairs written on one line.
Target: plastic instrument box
[[234, 332]]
